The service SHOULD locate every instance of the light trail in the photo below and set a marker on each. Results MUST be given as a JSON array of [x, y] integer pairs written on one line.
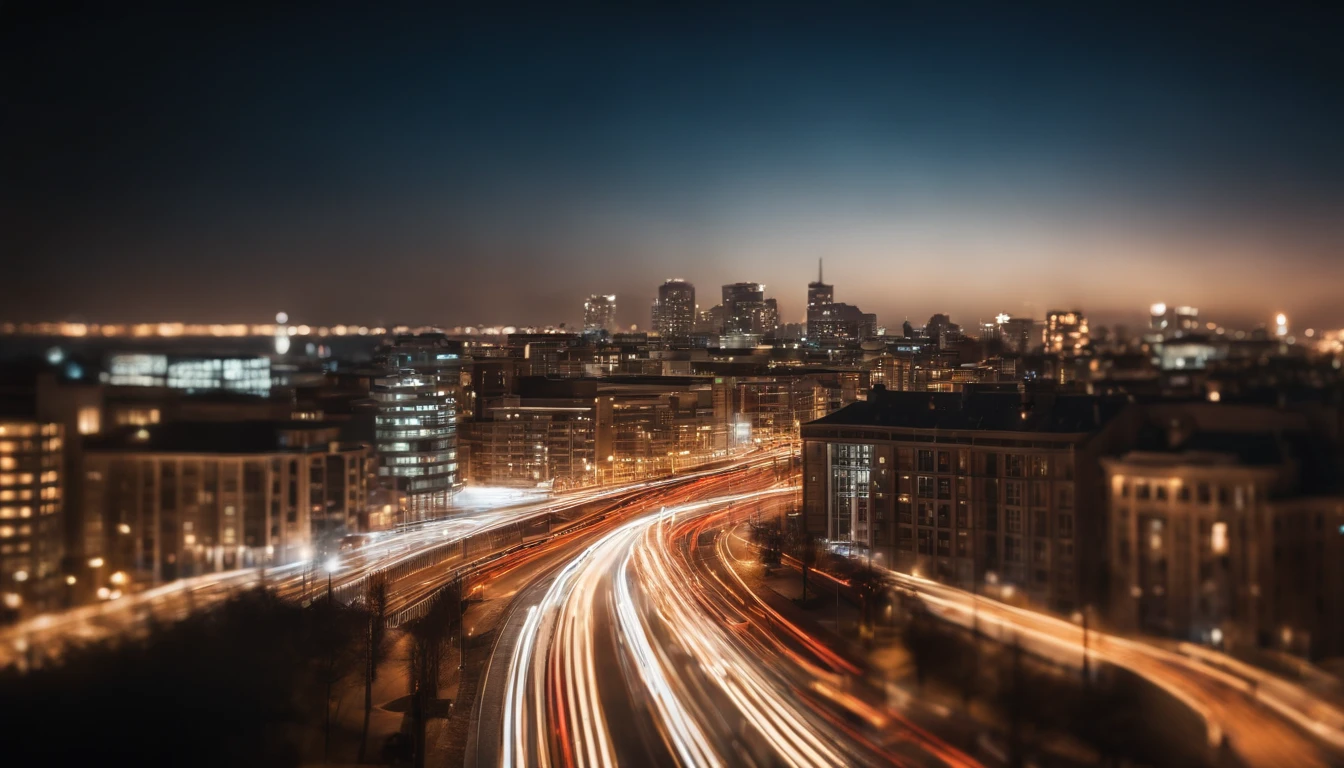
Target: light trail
[[711, 696]]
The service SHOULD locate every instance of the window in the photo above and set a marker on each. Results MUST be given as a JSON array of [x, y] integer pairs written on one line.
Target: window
[[944, 515], [926, 542], [905, 540], [1040, 466], [1065, 520], [1218, 539], [925, 513], [1183, 493], [992, 464], [963, 461], [963, 543], [925, 461], [963, 514], [1012, 550], [1040, 523], [1065, 496], [1039, 552], [924, 487], [1012, 465], [1202, 493], [1040, 494], [1141, 490], [1014, 521], [991, 519], [945, 488], [1161, 491], [90, 420], [904, 458], [944, 544], [1012, 494], [903, 513], [944, 461]]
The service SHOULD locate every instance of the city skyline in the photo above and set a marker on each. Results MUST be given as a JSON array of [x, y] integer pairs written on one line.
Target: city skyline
[[937, 162]]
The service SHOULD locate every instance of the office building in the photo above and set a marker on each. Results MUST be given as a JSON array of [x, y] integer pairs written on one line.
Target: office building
[[743, 308], [1227, 527], [599, 313], [1066, 332], [31, 516], [819, 293], [189, 373], [674, 311], [415, 427], [170, 501], [1018, 334], [967, 486], [709, 321], [1172, 322]]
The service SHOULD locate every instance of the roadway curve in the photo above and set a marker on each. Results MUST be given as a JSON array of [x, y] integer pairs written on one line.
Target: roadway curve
[[627, 654]]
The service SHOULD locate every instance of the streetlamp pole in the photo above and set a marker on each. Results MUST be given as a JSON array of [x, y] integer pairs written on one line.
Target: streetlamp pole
[[1087, 670]]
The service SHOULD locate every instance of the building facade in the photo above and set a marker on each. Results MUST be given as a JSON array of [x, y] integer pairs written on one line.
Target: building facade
[[177, 500], [415, 426], [31, 516], [674, 311], [1219, 533], [599, 313], [1066, 332], [966, 488]]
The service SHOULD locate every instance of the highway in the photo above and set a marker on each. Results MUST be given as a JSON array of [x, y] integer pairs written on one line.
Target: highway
[[46, 635], [629, 652]]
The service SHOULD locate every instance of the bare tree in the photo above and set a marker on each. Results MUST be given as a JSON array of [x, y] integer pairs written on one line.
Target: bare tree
[[429, 645], [375, 647]]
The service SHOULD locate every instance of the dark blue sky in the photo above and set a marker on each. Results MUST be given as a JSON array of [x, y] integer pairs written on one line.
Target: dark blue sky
[[461, 167]]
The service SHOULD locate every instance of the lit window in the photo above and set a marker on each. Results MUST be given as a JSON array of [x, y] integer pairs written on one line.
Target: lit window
[[1218, 539], [90, 420]]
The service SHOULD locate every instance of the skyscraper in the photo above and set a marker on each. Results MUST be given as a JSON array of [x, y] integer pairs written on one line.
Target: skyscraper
[[819, 293], [1066, 332], [599, 313], [819, 296], [743, 308], [674, 311], [415, 427]]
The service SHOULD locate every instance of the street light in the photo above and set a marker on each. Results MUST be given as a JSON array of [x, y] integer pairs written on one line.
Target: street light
[[1081, 617], [331, 566]]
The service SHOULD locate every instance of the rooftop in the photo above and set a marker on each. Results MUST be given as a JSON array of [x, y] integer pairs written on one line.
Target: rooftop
[[227, 437], [978, 411]]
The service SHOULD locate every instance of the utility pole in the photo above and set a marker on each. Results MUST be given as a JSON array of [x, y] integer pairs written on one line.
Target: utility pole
[[1087, 669]]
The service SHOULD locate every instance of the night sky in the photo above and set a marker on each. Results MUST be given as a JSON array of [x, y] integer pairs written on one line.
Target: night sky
[[453, 167]]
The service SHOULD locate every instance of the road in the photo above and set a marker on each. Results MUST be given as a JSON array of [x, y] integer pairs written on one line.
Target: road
[[625, 654], [1262, 726], [45, 635]]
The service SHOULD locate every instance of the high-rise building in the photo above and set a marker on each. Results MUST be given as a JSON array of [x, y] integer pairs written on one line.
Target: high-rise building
[[415, 427], [599, 312], [819, 292], [1066, 332], [769, 318], [1172, 322], [742, 306], [1018, 334], [674, 311], [710, 320], [31, 515]]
